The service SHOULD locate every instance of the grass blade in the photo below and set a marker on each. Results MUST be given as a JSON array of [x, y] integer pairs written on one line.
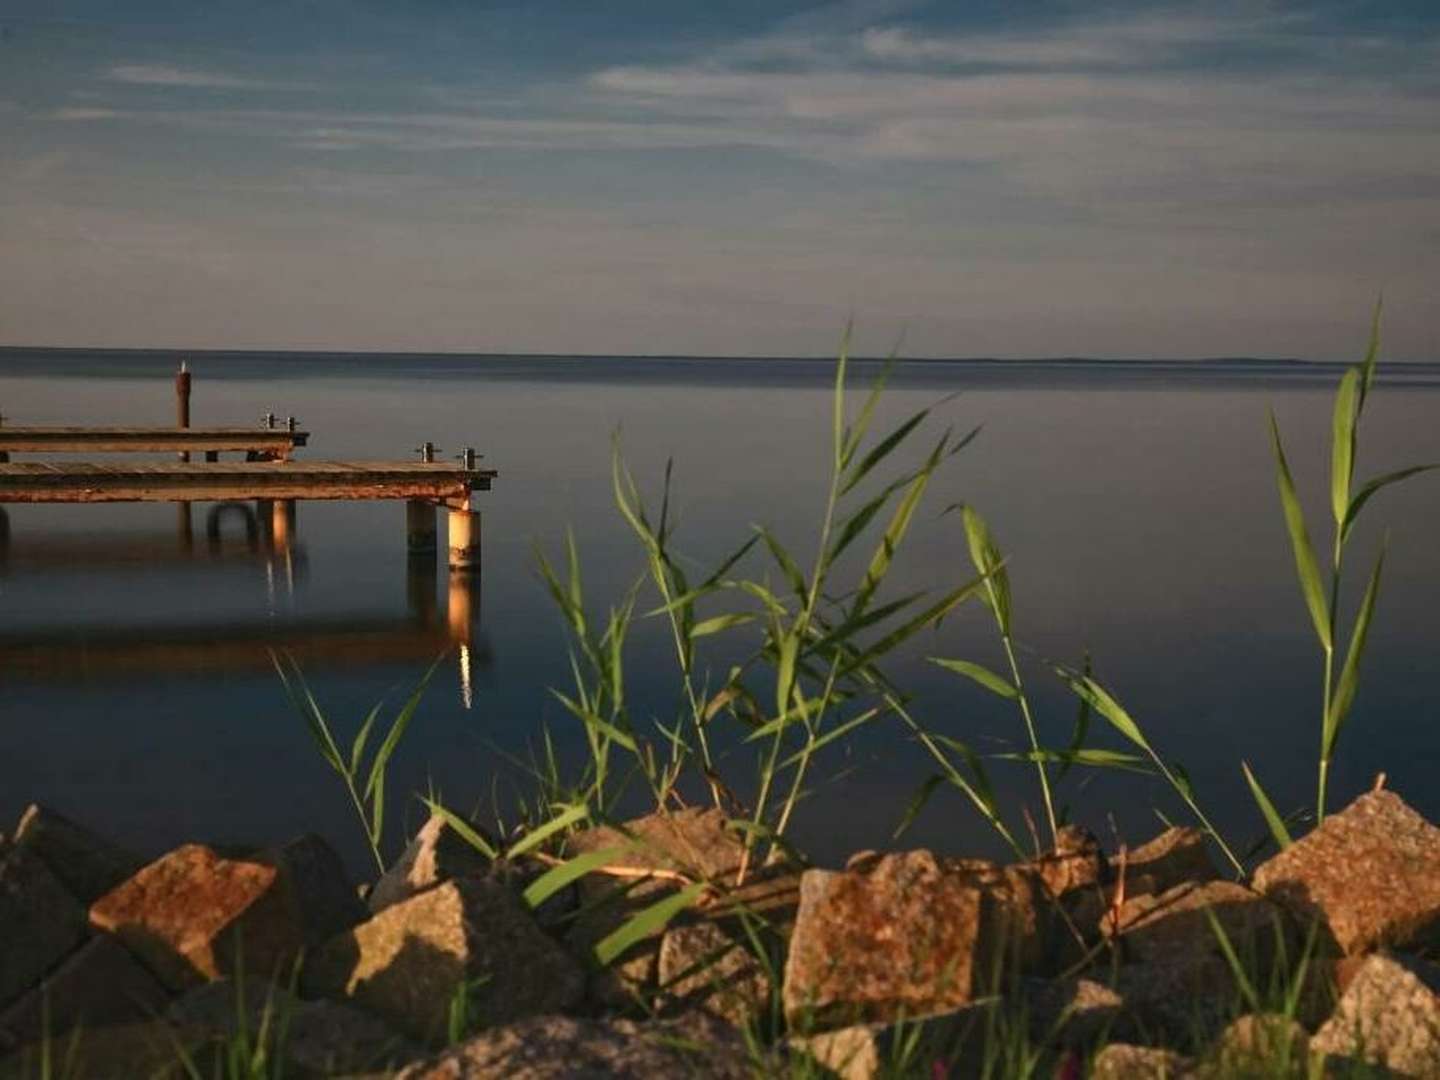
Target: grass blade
[[1096, 696], [463, 829], [982, 675], [535, 837], [357, 748], [1372, 351], [1373, 487], [646, 923], [299, 693], [719, 623], [1306, 565], [397, 729], [1346, 685], [985, 554], [1272, 817], [1342, 443], [882, 450], [557, 877]]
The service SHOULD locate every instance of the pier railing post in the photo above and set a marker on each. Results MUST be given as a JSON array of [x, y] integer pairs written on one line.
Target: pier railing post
[[182, 402]]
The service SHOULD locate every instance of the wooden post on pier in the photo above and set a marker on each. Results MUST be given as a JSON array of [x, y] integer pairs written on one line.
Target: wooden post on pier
[[421, 528], [282, 524], [464, 540], [182, 402]]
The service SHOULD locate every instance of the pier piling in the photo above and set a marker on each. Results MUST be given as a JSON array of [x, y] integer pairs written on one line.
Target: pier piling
[[464, 539], [421, 528]]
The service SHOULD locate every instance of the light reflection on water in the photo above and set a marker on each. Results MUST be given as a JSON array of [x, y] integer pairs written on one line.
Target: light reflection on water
[[1139, 513]]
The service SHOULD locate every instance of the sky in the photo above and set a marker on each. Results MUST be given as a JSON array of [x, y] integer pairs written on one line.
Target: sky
[[963, 179]]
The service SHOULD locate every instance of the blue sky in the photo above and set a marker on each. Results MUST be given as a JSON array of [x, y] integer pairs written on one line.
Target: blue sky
[[984, 178]]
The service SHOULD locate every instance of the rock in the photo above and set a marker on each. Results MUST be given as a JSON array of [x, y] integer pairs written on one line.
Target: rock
[[1262, 1044], [566, 1048], [907, 934], [851, 1053], [151, 1049], [1075, 863], [706, 965], [1183, 999], [437, 853], [1071, 1012], [86, 863], [694, 842], [40, 922], [1177, 856], [1176, 925], [467, 940], [321, 1038], [195, 914], [1389, 1015], [99, 984], [1121, 1061], [1370, 873]]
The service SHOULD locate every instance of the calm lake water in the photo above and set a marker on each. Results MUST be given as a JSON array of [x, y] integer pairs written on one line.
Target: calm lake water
[[1137, 504]]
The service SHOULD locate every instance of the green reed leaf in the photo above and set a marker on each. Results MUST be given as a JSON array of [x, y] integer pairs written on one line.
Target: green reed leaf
[[1372, 351], [557, 877], [647, 923], [1342, 443], [571, 815], [463, 829], [1272, 817], [357, 747], [996, 684], [882, 450], [917, 803], [1374, 487], [985, 554], [1111, 710], [794, 576], [397, 729], [1081, 727], [1306, 565], [838, 419], [1091, 757], [855, 433], [1348, 682], [305, 704], [899, 525], [719, 623], [928, 617]]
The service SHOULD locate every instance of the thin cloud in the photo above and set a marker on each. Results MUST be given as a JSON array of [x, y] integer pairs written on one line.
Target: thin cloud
[[195, 78]]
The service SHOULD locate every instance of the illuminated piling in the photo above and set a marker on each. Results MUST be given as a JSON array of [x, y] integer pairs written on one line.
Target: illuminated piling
[[464, 540]]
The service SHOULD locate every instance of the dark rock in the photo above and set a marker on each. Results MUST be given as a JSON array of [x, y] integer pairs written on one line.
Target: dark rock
[[194, 914], [437, 853], [1071, 1012], [1120, 1061], [468, 937], [565, 1048], [1177, 856], [100, 984], [40, 922], [1370, 874], [87, 864], [1389, 1015], [320, 1038], [907, 934], [1180, 924], [150, 1049]]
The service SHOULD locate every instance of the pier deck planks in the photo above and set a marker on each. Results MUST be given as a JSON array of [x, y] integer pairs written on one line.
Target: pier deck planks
[[44, 482], [41, 440]]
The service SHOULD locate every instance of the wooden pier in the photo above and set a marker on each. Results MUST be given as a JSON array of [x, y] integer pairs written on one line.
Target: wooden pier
[[264, 444]]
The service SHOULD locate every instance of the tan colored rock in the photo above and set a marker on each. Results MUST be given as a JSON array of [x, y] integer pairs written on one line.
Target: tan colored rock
[[1176, 925], [40, 922], [694, 842], [1120, 1061], [100, 984], [1177, 856], [195, 914], [437, 853], [320, 1038], [408, 963], [707, 965], [86, 863], [907, 934], [1076, 862], [1389, 1016], [567, 1048], [850, 1053], [1370, 874], [1262, 1044]]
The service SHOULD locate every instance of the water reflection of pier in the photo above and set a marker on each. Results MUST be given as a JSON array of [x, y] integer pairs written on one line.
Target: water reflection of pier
[[265, 537]]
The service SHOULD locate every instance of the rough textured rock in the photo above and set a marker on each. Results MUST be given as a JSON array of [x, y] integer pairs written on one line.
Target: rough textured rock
[[40, 922], [851, 1053], [1176, 925], [1178, 855], [710, 966], [1371, 873], [149, 1049], [1120, 1061], [695, 842], [437, 853], [1075, 863], [407, 963], [1262, 1044], [1389, 1015], [87, 864], [1071, 1011], [564, 1048], [906, 934], [321, 1038], [99, 984], [194, 914]]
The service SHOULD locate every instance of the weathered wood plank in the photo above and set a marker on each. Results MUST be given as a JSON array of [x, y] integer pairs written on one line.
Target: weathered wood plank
[[86, 482], [69, 439]]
